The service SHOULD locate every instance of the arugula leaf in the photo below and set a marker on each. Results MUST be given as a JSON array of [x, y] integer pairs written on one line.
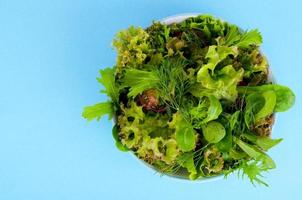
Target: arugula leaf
[[253, 152], [139, 81], [98, 110], [213, 132], [214, 109], [264, 143], [108, 81], [285, 98], [248, 149]]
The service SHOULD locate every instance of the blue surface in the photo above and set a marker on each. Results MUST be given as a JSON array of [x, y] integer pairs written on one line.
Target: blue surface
[[50, 53]]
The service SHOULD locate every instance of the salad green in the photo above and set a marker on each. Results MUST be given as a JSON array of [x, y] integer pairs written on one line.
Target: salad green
[[193, 98]]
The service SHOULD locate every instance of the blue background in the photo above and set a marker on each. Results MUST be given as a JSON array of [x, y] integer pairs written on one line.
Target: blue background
[[50, 53]]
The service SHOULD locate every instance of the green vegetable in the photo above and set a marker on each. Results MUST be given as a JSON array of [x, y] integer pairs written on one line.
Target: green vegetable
[[208, 109], [184, 133], [118, 143], [213, 132], [223, 86], [186, 160], [98, 110], [242, 40], [264, 143], [108, 81], [285, 98], [139, 81]]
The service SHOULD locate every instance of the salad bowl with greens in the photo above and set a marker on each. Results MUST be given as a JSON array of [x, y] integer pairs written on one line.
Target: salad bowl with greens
[[192, 98]]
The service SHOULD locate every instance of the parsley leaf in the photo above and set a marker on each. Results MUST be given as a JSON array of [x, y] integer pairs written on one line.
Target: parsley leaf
[[139, 81], [98, 110], [108, 81]]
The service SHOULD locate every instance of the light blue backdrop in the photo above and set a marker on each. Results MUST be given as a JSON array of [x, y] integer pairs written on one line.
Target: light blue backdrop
[[50, 53]]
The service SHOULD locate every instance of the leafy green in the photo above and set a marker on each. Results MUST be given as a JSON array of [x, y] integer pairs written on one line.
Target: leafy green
[[213, 132], [139, 81], [173, 82], [186, 160], [210, 27], [108, 81], [264, 143], [223, 86], [118, 143], [269, 105], [208, 109], [216, 54], [192, 99], [259, 106], [254, 168], [285, 98], [98, 110], [226, 143], [213, 160], [184, 133], [243, 40], [132, 47]]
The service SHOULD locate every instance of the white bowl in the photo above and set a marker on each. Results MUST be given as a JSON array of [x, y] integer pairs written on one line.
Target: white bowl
[[177, 19]]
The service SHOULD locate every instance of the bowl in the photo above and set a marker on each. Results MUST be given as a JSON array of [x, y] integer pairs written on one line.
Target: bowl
[[182, 175]]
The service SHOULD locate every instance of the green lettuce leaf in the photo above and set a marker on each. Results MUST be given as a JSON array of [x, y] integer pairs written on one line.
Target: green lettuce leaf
[[213, 132], [285, 97], [139, 81], [132, 47], [223, 86], [98, 110], [107, 79], [234, 37], [186, 160], [184, 133]]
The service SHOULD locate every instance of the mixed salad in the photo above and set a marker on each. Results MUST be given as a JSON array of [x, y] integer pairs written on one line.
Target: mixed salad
[[193, 99]]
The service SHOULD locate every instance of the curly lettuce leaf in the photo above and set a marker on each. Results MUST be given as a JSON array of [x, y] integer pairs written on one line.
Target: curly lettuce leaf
[[208, 25], [132, 47], [118, 143], [223, 86], [208, 109]]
